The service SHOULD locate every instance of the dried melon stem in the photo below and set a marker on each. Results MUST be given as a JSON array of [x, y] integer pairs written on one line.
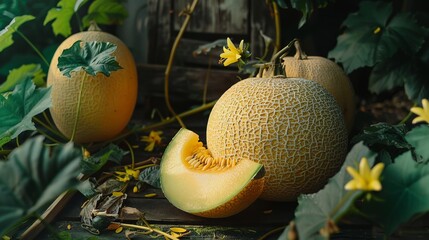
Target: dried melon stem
[[202, 159]]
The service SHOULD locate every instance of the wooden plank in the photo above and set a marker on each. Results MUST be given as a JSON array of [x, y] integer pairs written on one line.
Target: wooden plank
[[221, 16], [261, 19]]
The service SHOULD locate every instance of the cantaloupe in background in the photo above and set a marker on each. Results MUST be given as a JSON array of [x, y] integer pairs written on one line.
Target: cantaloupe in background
[[107, 103], [292, 126], [328, 74]]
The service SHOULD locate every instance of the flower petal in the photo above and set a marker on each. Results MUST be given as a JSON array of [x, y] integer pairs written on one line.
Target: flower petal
[[376, 170], [364, 169], [374, 186], [231, 46]]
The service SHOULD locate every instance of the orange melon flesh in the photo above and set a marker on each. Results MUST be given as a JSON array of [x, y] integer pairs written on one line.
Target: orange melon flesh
[[206, 193]]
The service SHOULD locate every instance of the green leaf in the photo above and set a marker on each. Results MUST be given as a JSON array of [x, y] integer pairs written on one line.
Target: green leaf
[[333, 201], [92, 57], [33, 176], [206, 48], [383, 136], [18, 109], [105, 12], [389, 74], [372, 35], [61, 16], [17, 75], [404, 194], [418, 137], [306, 7], [151, 176], [95, 162], [6, 34]]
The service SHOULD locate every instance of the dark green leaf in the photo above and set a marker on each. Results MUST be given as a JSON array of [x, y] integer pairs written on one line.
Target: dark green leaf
[[361, 45], [418, 137], [33, 177], [6, 34], [61, 16], [18, 109], [206, 48], [95, 162], [314, 210], [417, 84], [151, 176], [383, 136], [405, 193], [306, 7], [92, 57], [17, 75], [389, 74], [106, 12]]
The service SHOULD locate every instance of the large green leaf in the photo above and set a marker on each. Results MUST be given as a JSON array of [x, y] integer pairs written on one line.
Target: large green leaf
[[372, 35], [151, 176], [106, 12], [92, 57], [405, 193], [330, 203], [99, 159], [306, 7], [18, 109], [6, 35], [418, 137], [33, 176], [61, 16], [389, 74], [17, 75]]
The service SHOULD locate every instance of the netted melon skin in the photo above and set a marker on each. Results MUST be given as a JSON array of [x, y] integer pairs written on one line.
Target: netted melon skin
[[293, 126]]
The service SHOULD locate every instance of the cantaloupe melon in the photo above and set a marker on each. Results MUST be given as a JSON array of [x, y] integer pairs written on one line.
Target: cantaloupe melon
[[198, 184], [107, 103], [328, 74], [292, 126]]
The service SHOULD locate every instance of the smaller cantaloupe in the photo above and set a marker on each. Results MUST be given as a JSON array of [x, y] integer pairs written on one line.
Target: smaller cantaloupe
[[196, 183], [326, 73], [107, 103]]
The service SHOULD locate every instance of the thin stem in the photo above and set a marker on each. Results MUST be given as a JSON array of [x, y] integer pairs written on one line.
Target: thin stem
[[131, 152], [206, 80], [344, 199], [33, 47], [165, 121], [79, 102], [51, 129], [170, 61], [79, 22], [147, 229], [47, 136], [277, 26], [275, 230], [403, 121]]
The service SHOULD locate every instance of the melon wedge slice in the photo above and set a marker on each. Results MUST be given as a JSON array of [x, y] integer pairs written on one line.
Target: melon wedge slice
[[215, 192]]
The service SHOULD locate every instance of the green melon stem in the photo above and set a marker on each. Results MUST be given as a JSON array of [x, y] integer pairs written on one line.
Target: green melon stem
[[275, 67], [78, 107], [300, 55], [33, 47]]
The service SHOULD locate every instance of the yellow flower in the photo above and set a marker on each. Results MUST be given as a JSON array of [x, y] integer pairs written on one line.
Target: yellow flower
[[366, 179], [422, 112], [153, 139], [377, 30], [231, 54], [127, 175]]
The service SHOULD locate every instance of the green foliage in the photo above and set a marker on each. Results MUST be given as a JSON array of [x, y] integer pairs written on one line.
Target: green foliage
[[418, 137], [306, 7], [404, 195], [6, 35], [391, 43], [95, 162], [333, 201], [92, 57], [61, 16], [18, 109], [33, 177], [151, 176], [105, 12], [32, 71]]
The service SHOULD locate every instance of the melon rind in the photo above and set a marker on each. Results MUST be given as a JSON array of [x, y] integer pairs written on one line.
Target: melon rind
[[212, 194], [292, 126]]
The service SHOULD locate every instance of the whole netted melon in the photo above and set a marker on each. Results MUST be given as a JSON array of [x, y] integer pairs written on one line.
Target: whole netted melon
[[107, 103], [328, 74], [293, 126]]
